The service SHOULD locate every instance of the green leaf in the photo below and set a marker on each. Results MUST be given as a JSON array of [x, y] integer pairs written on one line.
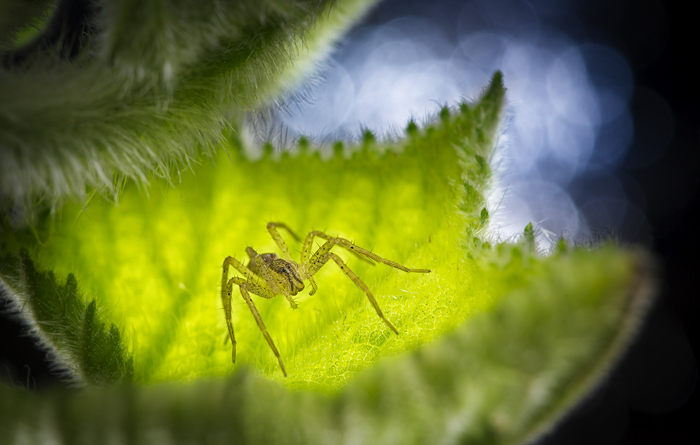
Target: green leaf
[[503, 377], [138, 87], [66, 325], [495, 344]]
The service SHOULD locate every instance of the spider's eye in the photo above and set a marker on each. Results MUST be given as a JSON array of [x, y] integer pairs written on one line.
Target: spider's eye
[[294, 277]]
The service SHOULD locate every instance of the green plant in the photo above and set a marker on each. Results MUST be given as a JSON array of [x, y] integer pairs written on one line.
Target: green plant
[[495, 344]]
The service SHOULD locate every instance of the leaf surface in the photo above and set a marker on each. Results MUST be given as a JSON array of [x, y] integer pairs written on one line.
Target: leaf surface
[[495, 344]]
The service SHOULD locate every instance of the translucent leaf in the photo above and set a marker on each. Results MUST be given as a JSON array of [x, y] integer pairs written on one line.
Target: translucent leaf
[[495, 344]]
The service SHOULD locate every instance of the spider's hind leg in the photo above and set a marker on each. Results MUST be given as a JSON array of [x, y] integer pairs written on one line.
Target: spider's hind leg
[[244, 286], [256, 286]]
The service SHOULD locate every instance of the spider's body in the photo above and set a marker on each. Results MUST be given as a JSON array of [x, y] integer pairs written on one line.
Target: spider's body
[[286, 273], [267, 275]]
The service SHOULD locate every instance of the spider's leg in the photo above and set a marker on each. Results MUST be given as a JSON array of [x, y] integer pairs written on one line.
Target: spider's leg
[[272, 228], [353, 276], [262, 291], [227, 288], [244, 286], [308, 246], [319, 258], [242, 269], [314, 286], [316, 261], [342, 242]]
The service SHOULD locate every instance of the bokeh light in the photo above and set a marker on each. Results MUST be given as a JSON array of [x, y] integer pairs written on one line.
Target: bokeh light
[[569, 124]]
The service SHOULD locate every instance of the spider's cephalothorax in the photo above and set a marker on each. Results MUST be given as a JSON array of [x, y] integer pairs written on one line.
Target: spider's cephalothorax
[[267, 275], [286, 273]]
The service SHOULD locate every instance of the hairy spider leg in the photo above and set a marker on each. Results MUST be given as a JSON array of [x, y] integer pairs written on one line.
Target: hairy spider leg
[[357, 250], [322, 255], [323, 259], [272, 228], [226, 293], [226, 301], [314, 286], [308, 246], [244, 287], [269, 278]]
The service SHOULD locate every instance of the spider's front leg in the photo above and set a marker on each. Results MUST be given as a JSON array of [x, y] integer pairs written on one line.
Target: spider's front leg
[[308, 246], [353, 276], [353, 248]]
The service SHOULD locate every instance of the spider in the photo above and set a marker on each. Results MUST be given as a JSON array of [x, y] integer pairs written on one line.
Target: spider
[[267, 275]]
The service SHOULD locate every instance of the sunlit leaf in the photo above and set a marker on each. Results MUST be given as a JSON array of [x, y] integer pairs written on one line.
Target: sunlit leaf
[[495, 344]]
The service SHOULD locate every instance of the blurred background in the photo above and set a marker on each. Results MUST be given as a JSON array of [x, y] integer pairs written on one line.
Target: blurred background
[[578, 122], [601, 139]]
